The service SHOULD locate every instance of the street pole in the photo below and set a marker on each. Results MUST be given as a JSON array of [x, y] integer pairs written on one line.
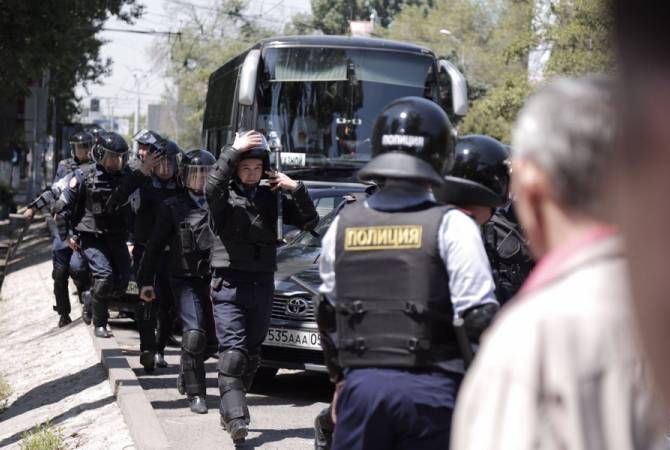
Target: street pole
[[136, 125]]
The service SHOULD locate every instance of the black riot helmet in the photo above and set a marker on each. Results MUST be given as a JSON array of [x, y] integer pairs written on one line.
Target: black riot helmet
[[480, 173], [194, 168], [261, 152], [147, 137], [95, 130], [412, 139], [168, 165], [110, 151], [81, 143]]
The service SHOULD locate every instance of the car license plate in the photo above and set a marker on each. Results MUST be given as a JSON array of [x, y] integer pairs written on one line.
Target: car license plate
[[286, 337]]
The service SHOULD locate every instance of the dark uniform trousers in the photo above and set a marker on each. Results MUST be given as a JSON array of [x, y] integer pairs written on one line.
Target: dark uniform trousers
[[242, 312], [155, 319], [109, 261], [395, 409], [195, 312], [67, 262]]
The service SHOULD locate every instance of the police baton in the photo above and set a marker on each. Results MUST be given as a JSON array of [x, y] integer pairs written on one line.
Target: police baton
[[463, 341], [275, 146]]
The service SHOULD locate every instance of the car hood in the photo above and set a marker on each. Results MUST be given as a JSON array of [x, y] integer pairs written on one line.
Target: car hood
[[297, 261]]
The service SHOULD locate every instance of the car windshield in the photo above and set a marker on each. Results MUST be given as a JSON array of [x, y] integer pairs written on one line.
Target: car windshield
[[322, 102], [313, 239]]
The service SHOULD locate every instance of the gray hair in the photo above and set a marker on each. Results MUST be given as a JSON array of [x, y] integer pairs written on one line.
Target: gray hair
[[568, 129]]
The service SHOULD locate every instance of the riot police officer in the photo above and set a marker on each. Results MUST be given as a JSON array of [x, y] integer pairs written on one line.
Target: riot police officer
[[244, 215], [147, 141], [396, 270], [161, 185], [99, 209], [478, 182], [183, 224], [66, 257]]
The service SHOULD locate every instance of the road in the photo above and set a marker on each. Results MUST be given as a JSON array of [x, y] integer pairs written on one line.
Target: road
[[282, 411]]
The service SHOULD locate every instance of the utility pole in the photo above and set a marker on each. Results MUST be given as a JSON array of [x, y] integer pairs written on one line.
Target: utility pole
[[136, 125]]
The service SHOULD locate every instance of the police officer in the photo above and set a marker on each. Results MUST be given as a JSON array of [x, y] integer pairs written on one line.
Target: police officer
[[161, 185], [478, 182], [147, 141], [183, 224], [66, 257], [244, 215], [396, 270], [101, 214]]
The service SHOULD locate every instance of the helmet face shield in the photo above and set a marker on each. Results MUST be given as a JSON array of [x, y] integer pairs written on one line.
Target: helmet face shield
[[194, 177], [81, 150], [112, 161], [166, 168]]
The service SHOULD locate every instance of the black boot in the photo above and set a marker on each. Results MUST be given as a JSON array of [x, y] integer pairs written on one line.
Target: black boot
[[64, 320], [238, 430], [147, 361], [102, 332], [197, 404], [160, 361]]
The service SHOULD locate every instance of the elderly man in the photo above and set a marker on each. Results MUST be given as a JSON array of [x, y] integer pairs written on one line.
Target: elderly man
[[560, 367]]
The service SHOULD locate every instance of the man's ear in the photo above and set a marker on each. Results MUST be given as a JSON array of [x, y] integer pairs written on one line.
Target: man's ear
[[532, 190]]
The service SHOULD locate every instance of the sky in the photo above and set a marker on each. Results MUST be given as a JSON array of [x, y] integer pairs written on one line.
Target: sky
[[131, 52]]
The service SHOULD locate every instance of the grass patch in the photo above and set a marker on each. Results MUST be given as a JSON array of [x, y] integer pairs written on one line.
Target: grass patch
[[44, 437], [5, 392]]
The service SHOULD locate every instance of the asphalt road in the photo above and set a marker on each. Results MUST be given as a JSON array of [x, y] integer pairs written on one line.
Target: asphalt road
[[282, 410]]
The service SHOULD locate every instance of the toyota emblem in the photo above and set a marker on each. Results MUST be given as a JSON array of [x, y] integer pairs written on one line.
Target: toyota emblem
[[296, 306]]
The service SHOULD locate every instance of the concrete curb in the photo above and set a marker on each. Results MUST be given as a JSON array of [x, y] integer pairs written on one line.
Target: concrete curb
[[144, 427]]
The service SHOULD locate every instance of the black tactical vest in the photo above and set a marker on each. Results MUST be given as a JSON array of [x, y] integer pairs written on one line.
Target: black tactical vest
[[192, 241], [508, 253], [393, 303], [99, 186], [151, 197], [246, 237]]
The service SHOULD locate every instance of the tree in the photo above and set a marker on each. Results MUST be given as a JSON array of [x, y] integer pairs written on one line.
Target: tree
[[333, 16], [58, 36], [208, 39]]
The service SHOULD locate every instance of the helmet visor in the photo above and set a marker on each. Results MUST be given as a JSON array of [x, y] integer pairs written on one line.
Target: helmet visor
[[81, 150], [165, 168], [194, 177], [112, 161]]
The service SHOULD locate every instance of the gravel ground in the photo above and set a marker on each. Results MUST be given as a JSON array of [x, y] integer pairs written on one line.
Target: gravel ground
[[54, 372]]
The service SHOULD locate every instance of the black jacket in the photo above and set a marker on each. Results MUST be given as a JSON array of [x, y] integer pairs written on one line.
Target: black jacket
[[184, 226], [245, 223]]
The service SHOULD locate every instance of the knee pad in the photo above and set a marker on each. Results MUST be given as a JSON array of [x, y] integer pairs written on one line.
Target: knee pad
[[194, 342], [232, 363], [102, 287]]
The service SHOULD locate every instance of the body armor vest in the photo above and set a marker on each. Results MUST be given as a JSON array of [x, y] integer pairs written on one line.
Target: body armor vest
[[191, 243], [393, 304], [95, 218], [247, 239], [66, 167], [508, 253], [151, 198]]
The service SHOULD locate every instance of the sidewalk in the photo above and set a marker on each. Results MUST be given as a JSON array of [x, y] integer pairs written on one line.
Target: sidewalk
[[55, 373]]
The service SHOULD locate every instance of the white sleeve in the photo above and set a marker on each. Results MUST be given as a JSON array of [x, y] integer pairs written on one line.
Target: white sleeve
[[462, 250], [327, 260]]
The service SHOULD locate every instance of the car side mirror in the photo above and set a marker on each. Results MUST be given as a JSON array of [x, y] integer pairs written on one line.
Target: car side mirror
[[248, 75]]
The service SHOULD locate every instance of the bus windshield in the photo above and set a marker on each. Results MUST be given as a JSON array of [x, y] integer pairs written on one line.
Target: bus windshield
[[322, 102]]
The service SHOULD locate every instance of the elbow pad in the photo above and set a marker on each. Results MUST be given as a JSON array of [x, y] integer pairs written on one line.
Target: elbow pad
[[478, 319]]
